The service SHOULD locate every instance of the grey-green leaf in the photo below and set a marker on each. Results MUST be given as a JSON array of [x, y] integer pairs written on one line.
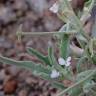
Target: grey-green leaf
[[40, 56], [51, 56], [79, 63], [25, 64], [75, 91], [64, 46], [36, 69], [58, 85]]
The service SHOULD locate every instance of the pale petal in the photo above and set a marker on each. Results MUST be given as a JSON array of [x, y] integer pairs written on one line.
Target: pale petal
[[68, 59], [54, 74], [61, 61], [68, 64], [54, 8]]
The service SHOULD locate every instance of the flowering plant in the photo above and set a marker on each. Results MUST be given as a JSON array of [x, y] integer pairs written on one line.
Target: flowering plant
[[83, 80]]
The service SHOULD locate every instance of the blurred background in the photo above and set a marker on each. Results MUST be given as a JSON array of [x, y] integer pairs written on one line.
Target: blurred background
[[34, 15]]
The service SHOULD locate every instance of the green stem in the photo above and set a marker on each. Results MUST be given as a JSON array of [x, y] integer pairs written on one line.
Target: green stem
[[78, 83], [46, 33]]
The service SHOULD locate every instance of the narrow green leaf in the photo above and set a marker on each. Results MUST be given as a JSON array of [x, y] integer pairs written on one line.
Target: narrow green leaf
[[25, 64], [58, 85], [76, 91], [88, 86], [64, 4], [36, 69], [82, 75], [79, 63], [64, 46], [56, 65], [94, 59], [91, 49], [51, 56], [40, 56]]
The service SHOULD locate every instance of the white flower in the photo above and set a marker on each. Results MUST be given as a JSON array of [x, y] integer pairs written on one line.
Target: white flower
[[66, 62], [54, 8], [54, 74], [61, 61]]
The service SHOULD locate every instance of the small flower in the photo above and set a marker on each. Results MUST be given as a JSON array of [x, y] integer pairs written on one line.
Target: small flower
[[54, 74], [66, 62], [54, 8], [61, 61]]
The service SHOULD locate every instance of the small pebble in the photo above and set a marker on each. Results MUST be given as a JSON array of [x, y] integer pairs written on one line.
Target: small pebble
[[10, 86]]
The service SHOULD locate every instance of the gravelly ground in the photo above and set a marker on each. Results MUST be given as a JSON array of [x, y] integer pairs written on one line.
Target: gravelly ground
[[35, 16]]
